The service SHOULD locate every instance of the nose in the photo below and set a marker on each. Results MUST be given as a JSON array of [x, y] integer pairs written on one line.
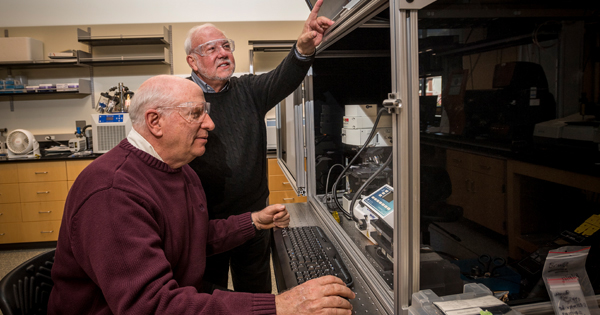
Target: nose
[[207, 123], [221, 52]]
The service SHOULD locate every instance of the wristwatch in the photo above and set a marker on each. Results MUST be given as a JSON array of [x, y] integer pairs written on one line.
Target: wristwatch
[[254, 225]]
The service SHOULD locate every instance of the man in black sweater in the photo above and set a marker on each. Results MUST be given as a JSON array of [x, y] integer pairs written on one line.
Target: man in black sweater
[[234, 169]]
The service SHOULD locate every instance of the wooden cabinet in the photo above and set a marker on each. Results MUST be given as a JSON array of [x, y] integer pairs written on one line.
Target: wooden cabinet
[[73, 170], [479, 186], [41, 172], [9, 173], [10, 212], [9, 193], [280, 189], [44, 191], [32, 199], [41, 231], [42, 211], [10, 233]]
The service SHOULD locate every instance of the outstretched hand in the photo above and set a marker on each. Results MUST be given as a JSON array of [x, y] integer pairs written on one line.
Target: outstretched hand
[[313, 31], [270, 217]]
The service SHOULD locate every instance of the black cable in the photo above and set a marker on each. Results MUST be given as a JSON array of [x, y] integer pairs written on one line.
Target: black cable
[[367, 182], [349, 215], [371, 135], [326, 199]]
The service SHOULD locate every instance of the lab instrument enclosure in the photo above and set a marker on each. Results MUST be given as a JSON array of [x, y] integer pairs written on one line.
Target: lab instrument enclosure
[[450, 98]]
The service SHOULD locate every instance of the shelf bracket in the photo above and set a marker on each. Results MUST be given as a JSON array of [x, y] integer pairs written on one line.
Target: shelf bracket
[[171, 48], [92, 87]]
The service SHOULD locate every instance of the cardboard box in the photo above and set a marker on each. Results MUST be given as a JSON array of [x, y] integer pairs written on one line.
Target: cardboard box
[[20, 49]]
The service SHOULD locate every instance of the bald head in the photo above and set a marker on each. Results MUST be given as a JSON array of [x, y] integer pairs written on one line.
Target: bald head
[[158, 91]]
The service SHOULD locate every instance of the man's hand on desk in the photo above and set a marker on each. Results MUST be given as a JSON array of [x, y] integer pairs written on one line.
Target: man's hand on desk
[[270, 217], [324, 295]]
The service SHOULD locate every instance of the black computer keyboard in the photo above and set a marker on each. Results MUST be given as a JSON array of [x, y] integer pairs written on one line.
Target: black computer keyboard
[[306, 253]]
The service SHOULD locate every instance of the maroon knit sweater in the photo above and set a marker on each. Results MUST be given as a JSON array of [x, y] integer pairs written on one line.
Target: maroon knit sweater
[[134, 239]]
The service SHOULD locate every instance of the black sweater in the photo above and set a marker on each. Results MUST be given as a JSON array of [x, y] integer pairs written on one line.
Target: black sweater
[[234, 168]]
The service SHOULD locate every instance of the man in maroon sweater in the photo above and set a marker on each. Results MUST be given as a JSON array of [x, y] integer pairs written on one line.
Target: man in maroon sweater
[[135, 232]]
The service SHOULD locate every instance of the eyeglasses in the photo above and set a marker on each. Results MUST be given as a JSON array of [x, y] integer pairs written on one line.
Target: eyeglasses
[[192, 112], [213, 46]]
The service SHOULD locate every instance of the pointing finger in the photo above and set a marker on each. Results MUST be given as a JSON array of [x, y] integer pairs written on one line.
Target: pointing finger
[[316, 8]]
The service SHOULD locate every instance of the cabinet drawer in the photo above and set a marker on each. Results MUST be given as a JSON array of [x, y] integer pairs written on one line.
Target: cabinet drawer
[[42, 172], [477, 163], [288, 196], [10, 212], [44, 231], [274, 168], [75, 167], [42, 211], [489, 166], [9, 173], [279, 182], [9, 193], [10, 233], [47, 191], [458, 159], [70, 184]]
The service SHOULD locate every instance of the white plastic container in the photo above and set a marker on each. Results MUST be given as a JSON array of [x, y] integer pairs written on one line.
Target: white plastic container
[[423, 302], [20, 49], [361, 110]]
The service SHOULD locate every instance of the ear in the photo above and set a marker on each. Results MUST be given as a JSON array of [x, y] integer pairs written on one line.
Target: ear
[[191, 63], [154, 122]]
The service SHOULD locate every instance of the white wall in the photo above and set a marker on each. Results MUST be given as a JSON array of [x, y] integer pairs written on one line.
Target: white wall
[[19, 13]]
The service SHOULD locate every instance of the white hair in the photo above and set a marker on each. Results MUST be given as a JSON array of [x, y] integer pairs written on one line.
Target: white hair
[[187, 45]]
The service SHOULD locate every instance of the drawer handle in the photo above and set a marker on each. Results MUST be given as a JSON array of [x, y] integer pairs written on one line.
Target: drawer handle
[[288, 198], [286, 183], [1, 213], [47, 231], [40, 173], [45, 211], [2, 234], [43, 192]]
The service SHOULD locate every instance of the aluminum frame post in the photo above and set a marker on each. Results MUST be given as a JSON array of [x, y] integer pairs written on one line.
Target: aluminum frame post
[[403, 103]]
